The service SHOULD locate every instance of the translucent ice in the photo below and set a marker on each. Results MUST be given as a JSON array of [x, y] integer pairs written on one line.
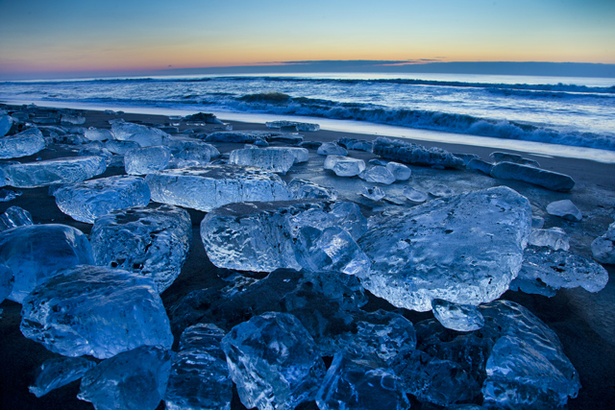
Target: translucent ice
[[533, 175], [97, 311], [603, 247], [554, 238], [59, 371], [458, 317], [72, 119], [499, 156], [97, 134], [378, 174], [34, 253], [374, 193], [131, 380], [190, 152], [359, 384], [26, 143], [142, 135], [401, 171], [414, 195], [205, 188], [144, 160], [410, 153], [273, 361], [565, 209], [344, 166], [56, 171], [15, 216], [153, 242], [200, 376], [304, 190], [331, 148], [275, 160], [463, 249], [91, 199], [6, 122]]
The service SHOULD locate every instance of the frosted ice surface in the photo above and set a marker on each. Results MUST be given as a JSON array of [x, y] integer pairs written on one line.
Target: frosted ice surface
[[273, 361], [565, 209], [72, 119], [132, 380], [26, 143], [97, 311], [209, 187], [533, 175], [401, 171], [153, 242], [458, 317], [302, 189], [374, 193], [190, 152], [144, 160], [463, 249], [59, 371], [140, 134], [6, 122], [298, 125], [331, 148], [36, 252], [91, 199], [603, 247], [554, 238], [410, 153], [55, 171], [414, 195], [358, 384], [561, 269], [302, 155], [277, 161], [200, 377], [355, 144], [97, 134], [15, 216], [344, 166], [120, 146], [378, 174]]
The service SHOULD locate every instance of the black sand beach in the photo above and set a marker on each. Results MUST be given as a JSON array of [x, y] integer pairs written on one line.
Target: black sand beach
[[584, 322]]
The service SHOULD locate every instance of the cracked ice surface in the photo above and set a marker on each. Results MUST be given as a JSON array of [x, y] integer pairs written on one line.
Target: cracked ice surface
[[464, 249], [23, 144], [205, 188], [98, 311], [48, 172]]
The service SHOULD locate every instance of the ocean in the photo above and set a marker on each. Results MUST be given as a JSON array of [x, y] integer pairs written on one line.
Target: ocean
[[570, 112]]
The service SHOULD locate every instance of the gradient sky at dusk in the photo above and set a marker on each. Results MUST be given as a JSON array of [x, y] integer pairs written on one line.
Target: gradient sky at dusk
[[41, 38]]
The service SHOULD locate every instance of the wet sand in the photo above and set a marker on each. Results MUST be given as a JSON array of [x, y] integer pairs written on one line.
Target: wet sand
[[584, 322]]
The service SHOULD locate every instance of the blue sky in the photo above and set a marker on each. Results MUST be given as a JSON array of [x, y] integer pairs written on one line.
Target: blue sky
[[43, 38]]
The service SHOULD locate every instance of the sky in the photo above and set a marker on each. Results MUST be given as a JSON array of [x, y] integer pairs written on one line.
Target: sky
[[60, 38]]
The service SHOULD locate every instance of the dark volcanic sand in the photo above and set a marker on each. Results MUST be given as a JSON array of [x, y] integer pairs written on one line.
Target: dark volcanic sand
[[584, 322]]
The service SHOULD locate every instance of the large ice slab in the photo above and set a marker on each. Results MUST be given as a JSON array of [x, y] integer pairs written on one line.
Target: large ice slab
[[91, 199], [23, 144], [411, 153], [205, 188], [200, 377], [550, 180], [55, 171], [152, 242], [603, 247], [140, 134], [464, 249], [273, 361], [262, 236], [144, 160], [59, 371], [34, 253], [97, 311], [131, 380]]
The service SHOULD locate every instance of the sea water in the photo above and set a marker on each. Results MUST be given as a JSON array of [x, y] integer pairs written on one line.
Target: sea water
[[566, 111]]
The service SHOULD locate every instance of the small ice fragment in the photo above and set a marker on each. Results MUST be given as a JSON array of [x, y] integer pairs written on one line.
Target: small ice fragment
[[401, 172], [554, 238], [565, 209], [26, 143], [304, 189], [414, 195], [72, 119], [344, 166], [378, 174], [98, 134], [458, 317], [374, 193], [603, 247], [331, 148], [56, 171], [91, 199], [59, 371], [132, 380], [6, 122], [15, 216], [8, 195]]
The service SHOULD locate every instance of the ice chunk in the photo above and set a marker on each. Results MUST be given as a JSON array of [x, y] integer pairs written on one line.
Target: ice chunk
[[262, 236], [72, 119], [458, 317], [152, 242], [15, 216], [565, 209], [603, 247], [480, 165], [344, 166], [410, 153], [200, 377], [6, 122], [277, 161], [97, 134], [26, 143], [414, 195], [91, 199], [358, 384], [248, 137], [59, 371], [209, 187], [120, 147], [6, 194], [132, 380], [308, 190], [378, 174], [499, 157], [190, 152], [561, 269], [533, 175], [97, 311], [140, 134], [554, 238], [374, 193], [144, 160], [299, 126], [331, 149], [401, 172], [56, 171], [34, 253], [355, 144], [273, 361], [479, 236]]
